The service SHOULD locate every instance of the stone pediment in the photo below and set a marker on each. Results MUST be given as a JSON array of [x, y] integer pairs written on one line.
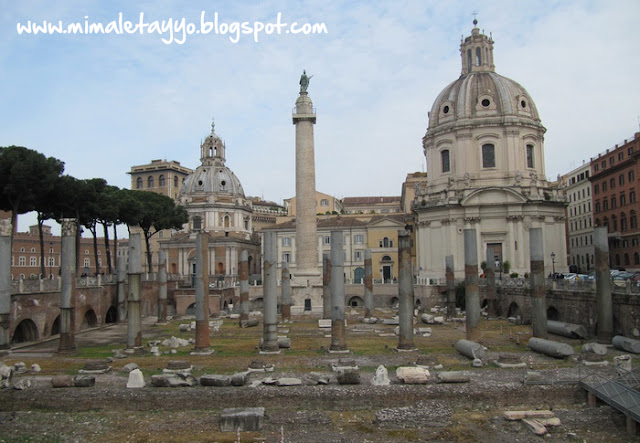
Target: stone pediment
[[390, 221], [493, 196]]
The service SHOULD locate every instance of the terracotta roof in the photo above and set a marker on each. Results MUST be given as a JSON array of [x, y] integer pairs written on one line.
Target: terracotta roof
[[370, 200]]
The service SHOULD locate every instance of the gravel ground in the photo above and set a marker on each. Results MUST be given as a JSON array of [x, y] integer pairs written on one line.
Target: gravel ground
[[465, 412]]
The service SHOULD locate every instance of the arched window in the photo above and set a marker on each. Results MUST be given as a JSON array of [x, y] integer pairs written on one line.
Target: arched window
[[150, 182], [633, 219], [161, 181], [636, 258], [469, 59], [478, 57], [623, 222], [446, 164], [226, 221], [488, 156], [139, 183], [175, 181]]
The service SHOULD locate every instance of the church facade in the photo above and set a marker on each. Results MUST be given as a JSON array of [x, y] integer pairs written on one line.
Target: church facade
[[484, 148], [215, 201]]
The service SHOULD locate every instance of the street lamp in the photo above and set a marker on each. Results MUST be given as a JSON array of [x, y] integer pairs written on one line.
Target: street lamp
[[553, 263]]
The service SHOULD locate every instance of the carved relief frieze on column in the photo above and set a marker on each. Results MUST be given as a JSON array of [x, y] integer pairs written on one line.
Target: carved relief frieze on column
[[515, 218]]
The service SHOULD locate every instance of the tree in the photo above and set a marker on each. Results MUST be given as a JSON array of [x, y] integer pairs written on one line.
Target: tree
[[90, 211], [25, 177], [154, 213]]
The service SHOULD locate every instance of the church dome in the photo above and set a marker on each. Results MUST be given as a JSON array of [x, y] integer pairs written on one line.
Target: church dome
[[212, 176], [480, 93]]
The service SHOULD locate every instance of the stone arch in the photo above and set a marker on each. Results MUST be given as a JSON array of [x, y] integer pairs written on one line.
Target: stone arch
[[191, 309], [358, 275], [258, 304], [417, 303], [55, 327], [356, 301], [553, 314], [26, 331], [394, 301], [112, 315], [514, 310], [89, 320]]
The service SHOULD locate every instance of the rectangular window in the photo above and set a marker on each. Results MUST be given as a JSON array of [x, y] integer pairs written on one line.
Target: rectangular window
[[33, 261], [631, 177], [446, 163], [604, 186], [488, 156], [22, 261], [357, 256], [286, 257], [613, 202], [632, 196], [87, 263], [620, 156], [358, 239], [611, 160], [621, 180], [286, 241], [326, 240], [530, 156], [623, 199], [596, 189], [604, 164]]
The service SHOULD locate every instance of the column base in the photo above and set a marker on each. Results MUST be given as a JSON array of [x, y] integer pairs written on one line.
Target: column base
[[405, 349], [339, 351], [202, 352], [135, 350], [270, 352]]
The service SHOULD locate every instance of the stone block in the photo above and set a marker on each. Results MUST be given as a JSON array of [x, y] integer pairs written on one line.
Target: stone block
[[324, 323], [413, 375], [348, 376], [62, 381], [219, 381], [241, 419], [381, 378], [84, 381], [252, 322], [288, 381], [136, 379], [454, 377], [239, 378]]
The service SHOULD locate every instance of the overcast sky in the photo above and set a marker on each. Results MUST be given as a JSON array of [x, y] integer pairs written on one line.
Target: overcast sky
[[103, 103]]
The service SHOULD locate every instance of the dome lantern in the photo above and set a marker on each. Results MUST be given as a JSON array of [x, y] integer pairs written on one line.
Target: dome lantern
[[477, 52]]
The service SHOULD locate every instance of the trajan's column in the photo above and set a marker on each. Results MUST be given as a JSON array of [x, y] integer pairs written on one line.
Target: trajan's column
[[307, 274]]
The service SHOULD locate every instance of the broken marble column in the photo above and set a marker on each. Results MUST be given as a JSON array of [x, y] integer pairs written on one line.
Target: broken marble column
[[121, 275], [202, 293], [5, 282], [368, 284], [326, 286], [134, 319], [538, 293], [405, 290], [285, 305], [604, 302], [626, 344], [68, 285], [490, 275], [270, 295], [162, 287], [471, 288], [549, 347], [338, 334], [451, 286], [470, 349], [244, 285]]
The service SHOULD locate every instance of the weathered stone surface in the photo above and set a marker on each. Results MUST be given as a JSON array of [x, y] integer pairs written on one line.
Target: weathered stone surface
[[175, 342], [119, 353], [370, 320], [176, 365], [427, 319], [6, 372], [413, 375], [136, 379], [155, 351], [318, 378], [469, 349], [130, 367], [173, 380], [22, 384], [324, 323], [96, 365], [62, 381], [239, 378], [454, 377], [35, 367], [535, 426], [549, 347], [622, 364], [519, 415], [84, 381], [626, 344], [241, 419], [20, 367], [252, 322], [381, 378], [284, 342], [288, 381], [391, 321], [185, 327], [348, 376], [215, 380]]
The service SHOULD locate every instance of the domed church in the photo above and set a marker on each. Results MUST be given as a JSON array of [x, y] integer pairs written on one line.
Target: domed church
[[216, 204], [484, 148]]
